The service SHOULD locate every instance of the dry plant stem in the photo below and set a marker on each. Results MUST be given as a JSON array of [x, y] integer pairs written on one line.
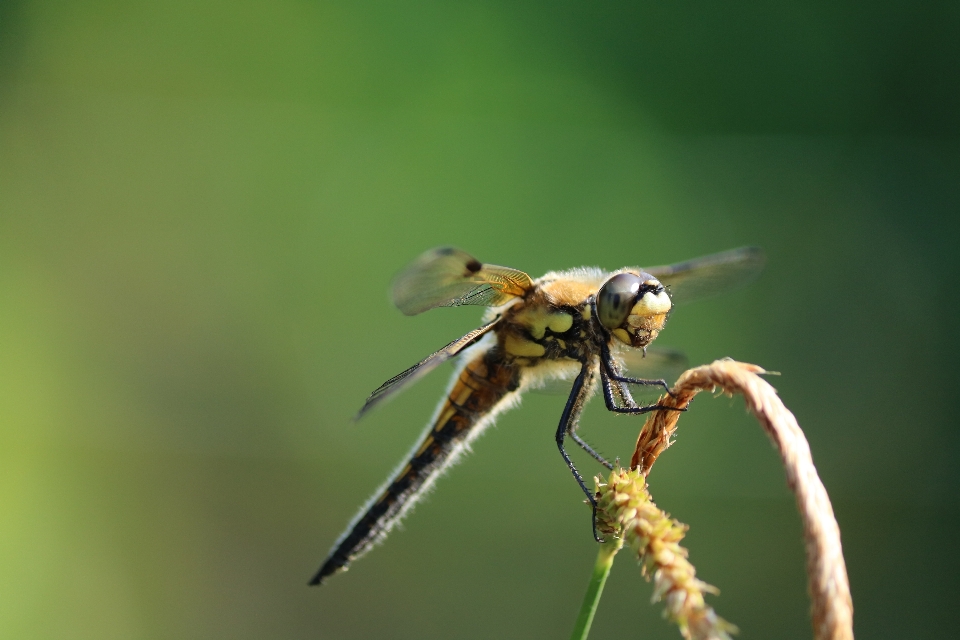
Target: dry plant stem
[[832, 606], [601, 570]]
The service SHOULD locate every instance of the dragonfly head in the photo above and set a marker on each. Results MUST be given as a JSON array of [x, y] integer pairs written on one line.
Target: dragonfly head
[[633, 307]]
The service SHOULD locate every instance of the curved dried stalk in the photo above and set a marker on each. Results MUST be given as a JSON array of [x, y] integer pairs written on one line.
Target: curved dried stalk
[[829, 588]]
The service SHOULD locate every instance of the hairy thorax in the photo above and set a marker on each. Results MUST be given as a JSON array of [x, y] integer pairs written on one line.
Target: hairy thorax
[[552, 323]]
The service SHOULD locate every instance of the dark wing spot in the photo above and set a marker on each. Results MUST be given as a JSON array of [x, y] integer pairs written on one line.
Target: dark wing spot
[[473, 266]]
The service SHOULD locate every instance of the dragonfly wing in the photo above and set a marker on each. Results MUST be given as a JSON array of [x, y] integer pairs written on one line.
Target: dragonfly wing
[[710, 275], [660, 363], [449, 277], [401, 381]]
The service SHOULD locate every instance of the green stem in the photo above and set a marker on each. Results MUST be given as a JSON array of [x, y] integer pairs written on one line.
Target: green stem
[[608, 550]]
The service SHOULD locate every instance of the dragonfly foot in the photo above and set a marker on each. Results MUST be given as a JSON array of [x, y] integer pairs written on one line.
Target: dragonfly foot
[[596, 536]]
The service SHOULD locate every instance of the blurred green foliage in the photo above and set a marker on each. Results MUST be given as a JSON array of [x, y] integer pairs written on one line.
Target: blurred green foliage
[[202, 205]]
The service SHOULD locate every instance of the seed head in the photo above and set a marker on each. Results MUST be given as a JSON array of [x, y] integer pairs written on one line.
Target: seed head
[[625, 509]]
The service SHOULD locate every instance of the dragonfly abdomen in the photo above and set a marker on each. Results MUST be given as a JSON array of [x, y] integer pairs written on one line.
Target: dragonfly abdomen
[[481, 389]]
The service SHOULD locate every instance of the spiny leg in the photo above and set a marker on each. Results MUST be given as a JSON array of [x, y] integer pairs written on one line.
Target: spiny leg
[[643, 381], [572, 432], [571, 413], [632, 408], [586, 447], [613, 371]]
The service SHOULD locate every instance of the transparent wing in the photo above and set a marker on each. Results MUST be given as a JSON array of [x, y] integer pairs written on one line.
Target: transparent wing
[[660, 363], [449, 277], [710, 275], [401, 381]]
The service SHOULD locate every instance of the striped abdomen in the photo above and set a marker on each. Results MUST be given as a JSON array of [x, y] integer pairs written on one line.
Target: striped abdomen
[[480, 390]]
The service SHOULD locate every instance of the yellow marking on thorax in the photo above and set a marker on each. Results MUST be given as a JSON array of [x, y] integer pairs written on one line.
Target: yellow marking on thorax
[[517, 346], [538, 319], [560, 322]]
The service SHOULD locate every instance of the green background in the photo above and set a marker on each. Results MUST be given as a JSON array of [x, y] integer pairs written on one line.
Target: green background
[[201, 209]]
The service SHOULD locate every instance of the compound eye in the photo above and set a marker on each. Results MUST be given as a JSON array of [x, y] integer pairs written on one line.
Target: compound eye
[[616, 298]]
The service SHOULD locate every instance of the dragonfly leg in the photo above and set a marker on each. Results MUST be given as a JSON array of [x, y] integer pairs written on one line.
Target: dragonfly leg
[[632, 407], [586, 447], [568, 426], [643, 381], [596, 536], [568, 421], [613, 371]]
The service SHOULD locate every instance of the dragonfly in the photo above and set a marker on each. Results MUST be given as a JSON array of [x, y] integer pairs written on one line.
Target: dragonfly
[[582, 324]]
